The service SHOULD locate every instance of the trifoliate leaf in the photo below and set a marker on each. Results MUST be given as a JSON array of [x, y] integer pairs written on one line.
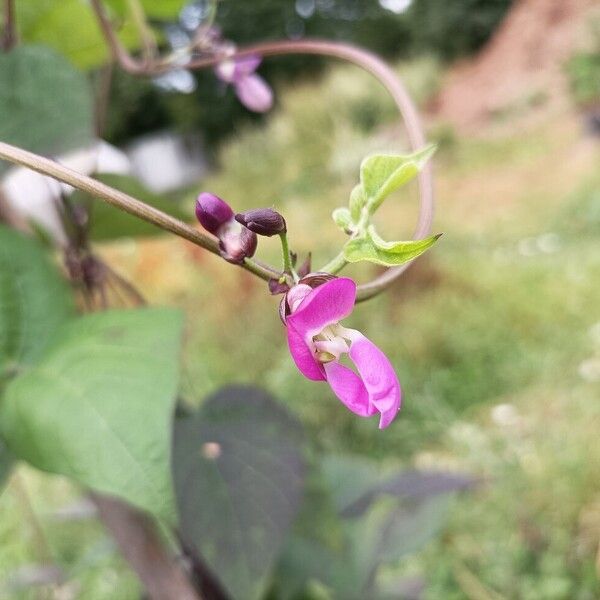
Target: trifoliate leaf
[[372, 248], [381, 174], [358, 199], [342, 218]]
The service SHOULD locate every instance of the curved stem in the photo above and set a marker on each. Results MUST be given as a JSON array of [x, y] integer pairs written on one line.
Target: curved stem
[[386, 76], [364, 59], [335, 265], [124, 202]]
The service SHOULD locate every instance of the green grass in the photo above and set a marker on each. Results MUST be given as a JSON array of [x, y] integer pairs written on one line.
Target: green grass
[[488, 333]]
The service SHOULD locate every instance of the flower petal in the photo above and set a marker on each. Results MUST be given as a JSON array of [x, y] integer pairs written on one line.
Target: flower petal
[[254, 93], [349, 388], [246, 65], [307, 364], [325, 305], [378, 376]]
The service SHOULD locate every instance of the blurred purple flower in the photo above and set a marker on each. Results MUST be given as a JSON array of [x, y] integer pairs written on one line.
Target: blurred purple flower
[[317, 342], [251, 89]]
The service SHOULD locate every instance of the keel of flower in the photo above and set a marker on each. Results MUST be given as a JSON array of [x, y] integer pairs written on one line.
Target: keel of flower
[[318, 342]]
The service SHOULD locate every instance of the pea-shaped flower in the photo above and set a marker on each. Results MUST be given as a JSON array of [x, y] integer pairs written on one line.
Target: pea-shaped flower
[[318, 342], [251, 89]]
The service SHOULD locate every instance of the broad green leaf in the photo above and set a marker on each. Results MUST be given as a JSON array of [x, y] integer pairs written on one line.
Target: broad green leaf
[[98, 406], [372, 248], [382, 174], [391, 530], [387, 514], [384, 513], [342, 218], [239, 475], [71, 29], [109, 223], [45, 103], [34, 301], [358, 200]]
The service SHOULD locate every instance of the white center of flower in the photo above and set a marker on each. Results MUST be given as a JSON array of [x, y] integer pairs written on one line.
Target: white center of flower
[[330, 343]]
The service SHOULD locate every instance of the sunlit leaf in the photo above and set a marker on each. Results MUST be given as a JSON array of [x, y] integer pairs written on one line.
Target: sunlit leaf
[[342, 218], [238, 474], [358, 200], [382, 174], [98, 406], [45, 103], [71, 29], [372, 248]]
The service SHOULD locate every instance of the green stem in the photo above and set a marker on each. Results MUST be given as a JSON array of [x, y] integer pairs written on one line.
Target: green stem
[[287, 259], [335, 265]]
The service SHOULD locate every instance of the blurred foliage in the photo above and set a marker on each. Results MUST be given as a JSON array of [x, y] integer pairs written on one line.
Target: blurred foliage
[[453, 29], [39, 86], [444, 30], [108, 223]]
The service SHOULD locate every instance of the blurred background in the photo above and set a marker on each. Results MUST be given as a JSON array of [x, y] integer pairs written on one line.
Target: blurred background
[[495, 333]]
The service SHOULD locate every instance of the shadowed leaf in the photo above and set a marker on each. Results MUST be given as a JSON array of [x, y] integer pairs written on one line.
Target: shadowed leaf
[[238, 474]]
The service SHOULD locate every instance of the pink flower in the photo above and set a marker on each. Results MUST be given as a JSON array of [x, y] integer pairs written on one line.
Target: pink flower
[[251, 89], [317, 342]]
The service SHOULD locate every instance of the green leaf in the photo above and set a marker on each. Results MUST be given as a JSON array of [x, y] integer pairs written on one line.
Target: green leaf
[[109, 223], [239, 476], [372, 248], [387, 514], [390, 531], [46, 104], [98, 406], [70, 28], [382, 174], [342, 218], [34, 301], [358, 200]]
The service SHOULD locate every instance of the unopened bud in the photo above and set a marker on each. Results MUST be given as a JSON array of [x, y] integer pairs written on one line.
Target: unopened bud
[[236, 242], [263, 221], [212, 212]]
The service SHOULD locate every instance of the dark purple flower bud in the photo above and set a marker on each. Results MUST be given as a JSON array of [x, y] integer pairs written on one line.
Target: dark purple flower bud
[[263, 221], [212, 212], [236, 242]]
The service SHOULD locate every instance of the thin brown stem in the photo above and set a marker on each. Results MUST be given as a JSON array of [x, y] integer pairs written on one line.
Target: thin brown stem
[[123, 201], [147, 37], [9, 32], [105, 79]]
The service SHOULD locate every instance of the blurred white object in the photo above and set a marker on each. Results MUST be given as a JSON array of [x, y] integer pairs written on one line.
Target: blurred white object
[[33, 196], [589, 369], [505, 415], [165, 162]]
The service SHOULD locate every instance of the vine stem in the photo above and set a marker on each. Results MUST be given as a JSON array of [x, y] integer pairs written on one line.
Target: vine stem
[[124, 202], [362, 58]]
